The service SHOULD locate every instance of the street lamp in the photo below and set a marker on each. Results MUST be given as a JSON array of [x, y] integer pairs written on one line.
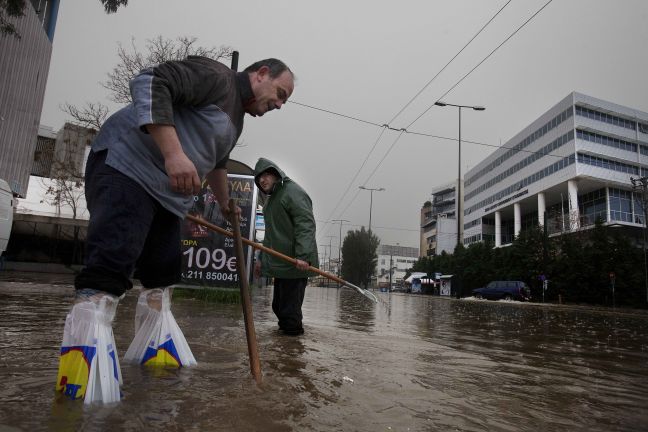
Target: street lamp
[[340, 247], [458, 194], [330, 252], [371, 191], [323, 265]]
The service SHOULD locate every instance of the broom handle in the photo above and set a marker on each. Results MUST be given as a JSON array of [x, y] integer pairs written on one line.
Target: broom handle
[[255, 366], [267, 250]]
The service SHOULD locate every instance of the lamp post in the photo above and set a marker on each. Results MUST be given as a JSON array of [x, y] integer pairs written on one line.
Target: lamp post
[[324, 260], [371, 191], [339, 272], [458, 194], [330, 252]]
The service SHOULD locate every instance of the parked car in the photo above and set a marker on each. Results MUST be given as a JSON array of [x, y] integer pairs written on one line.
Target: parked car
[[507, 290]]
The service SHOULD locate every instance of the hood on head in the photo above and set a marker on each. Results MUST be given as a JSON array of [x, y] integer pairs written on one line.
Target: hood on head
[[263, 165]]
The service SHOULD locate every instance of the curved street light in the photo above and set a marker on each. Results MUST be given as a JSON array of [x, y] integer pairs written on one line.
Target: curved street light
[[371, 191], [458, 194]]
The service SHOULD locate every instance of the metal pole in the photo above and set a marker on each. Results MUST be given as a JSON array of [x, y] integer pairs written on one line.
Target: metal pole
[[459, 211], [391, 260], [339, 272], [370, 206], [458, 199], [235, 57]]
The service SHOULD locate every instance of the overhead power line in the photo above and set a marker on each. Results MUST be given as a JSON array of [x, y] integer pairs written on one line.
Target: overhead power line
[[480, 63], [448, 63]]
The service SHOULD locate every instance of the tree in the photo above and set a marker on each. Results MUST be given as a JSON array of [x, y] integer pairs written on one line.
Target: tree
[[91, 116], [359, 257], [10, 10], [65, 188], [158, 50]]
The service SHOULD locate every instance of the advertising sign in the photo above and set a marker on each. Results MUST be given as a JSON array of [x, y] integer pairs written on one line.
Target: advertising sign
[[208, 258]]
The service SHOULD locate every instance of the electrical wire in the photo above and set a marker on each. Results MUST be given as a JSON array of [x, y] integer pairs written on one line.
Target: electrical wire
[[481, 62], [404, 130], [448, 63]]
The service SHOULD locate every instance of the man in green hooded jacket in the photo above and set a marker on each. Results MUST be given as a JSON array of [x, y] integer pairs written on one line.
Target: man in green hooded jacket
[[289, 229]]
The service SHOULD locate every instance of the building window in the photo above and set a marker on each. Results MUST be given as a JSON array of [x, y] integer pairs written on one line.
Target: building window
[[555, 144], [551, 124], [620, 205], [608, 141], [607, 164], [592, 206], [604, 117]]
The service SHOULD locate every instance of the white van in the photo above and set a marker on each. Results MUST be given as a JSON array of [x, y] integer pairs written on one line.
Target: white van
[[6, 214]]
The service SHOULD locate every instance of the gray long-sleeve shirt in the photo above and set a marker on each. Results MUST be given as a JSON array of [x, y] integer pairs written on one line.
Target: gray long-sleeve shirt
[[202, 98]]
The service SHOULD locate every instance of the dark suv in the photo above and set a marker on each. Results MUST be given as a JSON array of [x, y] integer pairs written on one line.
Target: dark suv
[[507, 290]]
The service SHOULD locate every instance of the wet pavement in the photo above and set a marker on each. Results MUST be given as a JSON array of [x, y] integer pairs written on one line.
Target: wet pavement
[[412, 363]]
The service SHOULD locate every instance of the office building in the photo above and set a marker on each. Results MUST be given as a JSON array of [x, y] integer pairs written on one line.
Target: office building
[[24, 65], [570, 167]]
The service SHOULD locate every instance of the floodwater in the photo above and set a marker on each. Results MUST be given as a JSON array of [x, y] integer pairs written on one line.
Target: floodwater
[[412, 363]]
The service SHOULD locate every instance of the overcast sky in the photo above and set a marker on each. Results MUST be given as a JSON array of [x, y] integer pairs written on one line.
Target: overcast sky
[[367, 60]]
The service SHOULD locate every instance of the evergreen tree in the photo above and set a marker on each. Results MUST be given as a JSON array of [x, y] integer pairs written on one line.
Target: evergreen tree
[[359, 257]]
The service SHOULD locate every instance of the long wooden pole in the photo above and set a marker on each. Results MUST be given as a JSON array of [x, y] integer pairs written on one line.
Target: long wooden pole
[[279, 255], [255, 366]]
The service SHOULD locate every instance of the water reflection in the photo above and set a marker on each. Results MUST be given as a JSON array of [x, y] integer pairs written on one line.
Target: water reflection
[[355, 312], [410, 362]]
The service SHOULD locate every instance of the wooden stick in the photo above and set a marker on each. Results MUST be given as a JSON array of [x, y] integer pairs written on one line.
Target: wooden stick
[[273, 252], [255, 366]]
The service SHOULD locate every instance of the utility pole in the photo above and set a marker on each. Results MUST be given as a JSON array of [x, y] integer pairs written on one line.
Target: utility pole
[[641, 184], [323, 261], [339, 272]]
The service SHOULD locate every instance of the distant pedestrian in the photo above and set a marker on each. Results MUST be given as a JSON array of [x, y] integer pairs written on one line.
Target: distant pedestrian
[[289, 229]]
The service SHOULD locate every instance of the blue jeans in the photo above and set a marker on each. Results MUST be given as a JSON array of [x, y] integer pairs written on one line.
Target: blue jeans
[[129, 234]]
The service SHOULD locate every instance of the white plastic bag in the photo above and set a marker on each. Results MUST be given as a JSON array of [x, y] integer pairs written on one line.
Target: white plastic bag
[[89, 365], [158, 339]]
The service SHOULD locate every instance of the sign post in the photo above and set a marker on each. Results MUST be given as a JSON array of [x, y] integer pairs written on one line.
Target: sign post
[[209, 258], [612, 280]]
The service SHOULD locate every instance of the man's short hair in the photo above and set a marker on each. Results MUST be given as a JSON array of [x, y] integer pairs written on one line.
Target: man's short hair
[[277, 67]]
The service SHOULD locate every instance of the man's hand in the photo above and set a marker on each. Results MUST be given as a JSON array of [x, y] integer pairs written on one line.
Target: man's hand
[[301, 265], [183, 177], [182, 173], [225, 210]]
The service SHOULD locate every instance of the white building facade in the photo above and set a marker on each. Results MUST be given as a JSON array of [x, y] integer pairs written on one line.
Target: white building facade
[[570, 167], [439, 222], [398, 258]]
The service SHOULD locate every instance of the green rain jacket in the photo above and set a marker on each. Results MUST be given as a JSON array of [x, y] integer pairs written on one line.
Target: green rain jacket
[[289, 226]]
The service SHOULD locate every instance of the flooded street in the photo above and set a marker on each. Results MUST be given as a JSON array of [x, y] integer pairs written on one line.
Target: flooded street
[[414, 363]]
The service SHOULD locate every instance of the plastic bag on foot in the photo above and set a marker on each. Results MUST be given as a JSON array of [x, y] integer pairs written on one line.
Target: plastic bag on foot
[[89, 365], [158, 339]]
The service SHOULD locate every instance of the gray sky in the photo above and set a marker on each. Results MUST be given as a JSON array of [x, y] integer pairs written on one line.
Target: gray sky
[[367, 59]]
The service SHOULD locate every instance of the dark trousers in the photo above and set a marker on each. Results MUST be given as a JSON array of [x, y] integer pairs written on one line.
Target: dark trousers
[[287, 302], [129, 231]]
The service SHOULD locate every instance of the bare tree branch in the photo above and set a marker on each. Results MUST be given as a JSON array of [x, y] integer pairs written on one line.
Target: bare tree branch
[[111, 6], [158, 50], [92, 115]]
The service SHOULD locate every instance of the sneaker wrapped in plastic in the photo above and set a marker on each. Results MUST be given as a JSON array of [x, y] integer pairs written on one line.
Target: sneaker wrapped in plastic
[[158, 339], [88, 364]]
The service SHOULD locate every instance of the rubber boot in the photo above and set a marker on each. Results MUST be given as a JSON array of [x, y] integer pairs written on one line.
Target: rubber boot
[[158, 339], [89, 365]]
